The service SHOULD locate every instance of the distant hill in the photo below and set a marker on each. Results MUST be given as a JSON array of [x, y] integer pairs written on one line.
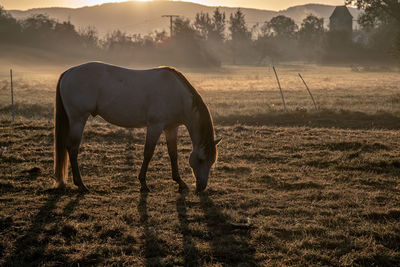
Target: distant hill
[[145, 17]]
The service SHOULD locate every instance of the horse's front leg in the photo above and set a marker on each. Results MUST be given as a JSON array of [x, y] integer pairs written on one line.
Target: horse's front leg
[[153, 133], [171, 135]]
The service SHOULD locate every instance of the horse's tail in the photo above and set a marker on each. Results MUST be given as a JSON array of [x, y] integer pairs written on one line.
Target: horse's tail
[[61, 128]]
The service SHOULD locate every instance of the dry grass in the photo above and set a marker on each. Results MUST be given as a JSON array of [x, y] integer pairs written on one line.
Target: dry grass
[[288, 189], [313, 196]]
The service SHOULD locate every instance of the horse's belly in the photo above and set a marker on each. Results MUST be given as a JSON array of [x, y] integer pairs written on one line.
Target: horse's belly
[[123, 116]]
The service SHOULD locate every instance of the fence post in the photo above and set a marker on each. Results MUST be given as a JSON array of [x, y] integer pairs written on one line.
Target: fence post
[[308, 89], [279, 85], [12, 96]]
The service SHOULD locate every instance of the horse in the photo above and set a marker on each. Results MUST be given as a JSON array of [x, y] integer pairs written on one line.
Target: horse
[[160, 99]]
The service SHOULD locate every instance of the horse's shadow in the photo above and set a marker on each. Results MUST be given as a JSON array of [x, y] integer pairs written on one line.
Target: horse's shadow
[[229, 246], [153, 249], [31, 248], [191, 255]]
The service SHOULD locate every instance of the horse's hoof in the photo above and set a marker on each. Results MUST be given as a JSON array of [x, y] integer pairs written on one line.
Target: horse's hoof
[[59, 185], [144, 189]]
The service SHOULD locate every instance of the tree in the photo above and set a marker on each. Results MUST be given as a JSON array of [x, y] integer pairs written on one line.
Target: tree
[[312, 28], [281, 27], [42, 31], [116, 40], [38, 23], [311, 31], [277, 39], [89, 37], [183, 30], [240, 35], [383, 15], [311, 34], [217, 33], [159, 37], [203, 24], [189, 46], [10, 29], [377, 11], [38, 30], [238, 28], [210, 28], [266, 48], [66, 36]]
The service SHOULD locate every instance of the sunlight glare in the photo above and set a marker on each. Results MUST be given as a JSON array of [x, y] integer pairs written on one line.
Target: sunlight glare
[[99, 2]]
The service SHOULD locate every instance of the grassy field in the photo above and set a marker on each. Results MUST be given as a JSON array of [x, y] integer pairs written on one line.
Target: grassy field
[[242, 93], [298, 188]]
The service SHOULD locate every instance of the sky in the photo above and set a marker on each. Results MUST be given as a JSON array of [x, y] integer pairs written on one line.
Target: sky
[[261, 4]]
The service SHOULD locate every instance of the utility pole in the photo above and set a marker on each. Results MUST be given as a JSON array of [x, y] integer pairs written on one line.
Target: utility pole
[[170, 21]]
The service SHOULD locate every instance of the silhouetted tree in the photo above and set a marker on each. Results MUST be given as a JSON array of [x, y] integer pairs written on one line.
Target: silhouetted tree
[[210, 28], [89, 37], [159, 37], [312, 29], [238, 27], [281, 27], [183, 30], [384, 16], [338, 48], [278, 38], [203, 24], [66, 38], [376, 11], [117, 40], [240, 35], [311, 34], [266, 48], [189, 46], [38, 30], [217, 33], [10, 29]]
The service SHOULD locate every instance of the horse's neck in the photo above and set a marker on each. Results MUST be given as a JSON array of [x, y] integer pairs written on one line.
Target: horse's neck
[[193, 127], [196, 129]]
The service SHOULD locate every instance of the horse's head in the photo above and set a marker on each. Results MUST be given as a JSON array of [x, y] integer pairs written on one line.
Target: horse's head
[[201, 161]]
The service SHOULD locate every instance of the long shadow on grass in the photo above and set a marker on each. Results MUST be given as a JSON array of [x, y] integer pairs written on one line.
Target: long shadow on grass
[[324, 118], [229, 246], [30, 249], [152, 249], [191, 255]]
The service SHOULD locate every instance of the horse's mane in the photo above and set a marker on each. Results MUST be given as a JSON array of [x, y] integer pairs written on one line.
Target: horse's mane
[[205, 120]]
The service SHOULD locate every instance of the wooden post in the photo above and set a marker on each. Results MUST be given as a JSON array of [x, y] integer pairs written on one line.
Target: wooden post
[[308, 90], [12, 96], [280, 88]]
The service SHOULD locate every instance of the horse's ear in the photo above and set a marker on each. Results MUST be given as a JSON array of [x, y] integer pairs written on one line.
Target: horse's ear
[[217, 141]]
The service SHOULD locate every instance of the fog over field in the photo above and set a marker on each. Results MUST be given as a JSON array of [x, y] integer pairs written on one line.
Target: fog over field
[[145, 17]]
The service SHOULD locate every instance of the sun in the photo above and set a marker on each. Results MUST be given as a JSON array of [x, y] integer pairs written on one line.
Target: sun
[[99, 2]]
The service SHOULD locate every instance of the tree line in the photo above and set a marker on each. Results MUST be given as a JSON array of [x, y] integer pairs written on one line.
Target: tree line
[[213, 39]]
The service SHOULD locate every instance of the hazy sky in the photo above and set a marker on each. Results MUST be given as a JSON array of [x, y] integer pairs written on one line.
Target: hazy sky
[[262, 4]]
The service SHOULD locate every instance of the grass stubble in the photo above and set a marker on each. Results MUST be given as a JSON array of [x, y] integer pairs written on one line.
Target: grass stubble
[[312, 190]]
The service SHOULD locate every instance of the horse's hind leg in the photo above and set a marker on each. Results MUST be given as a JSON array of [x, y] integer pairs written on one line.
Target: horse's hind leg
[[73, 142], [152, 135], [171, 135]]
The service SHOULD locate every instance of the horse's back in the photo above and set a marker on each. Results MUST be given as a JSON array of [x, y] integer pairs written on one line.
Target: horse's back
[[130, 98]]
